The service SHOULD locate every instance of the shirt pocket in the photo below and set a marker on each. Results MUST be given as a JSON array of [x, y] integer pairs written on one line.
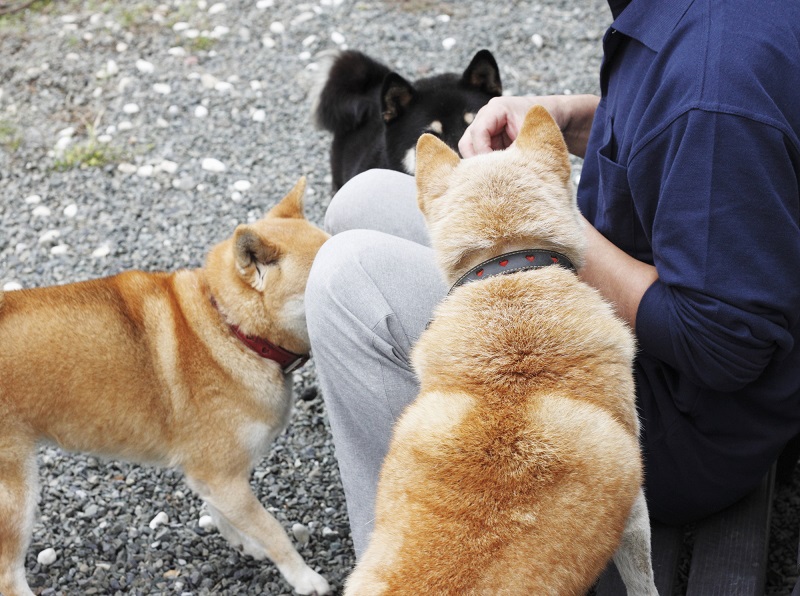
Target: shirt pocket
[[616, 215]]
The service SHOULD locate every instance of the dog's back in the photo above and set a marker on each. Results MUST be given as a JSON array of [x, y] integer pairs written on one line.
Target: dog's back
[[376, 116], [515, 466]]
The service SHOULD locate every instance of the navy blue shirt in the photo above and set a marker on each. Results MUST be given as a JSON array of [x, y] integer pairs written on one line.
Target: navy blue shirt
[[693, 165]]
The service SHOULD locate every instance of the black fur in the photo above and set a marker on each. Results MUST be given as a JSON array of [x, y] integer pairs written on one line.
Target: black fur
[[376, 115]]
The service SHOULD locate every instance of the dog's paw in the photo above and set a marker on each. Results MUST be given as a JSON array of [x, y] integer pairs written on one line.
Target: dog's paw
[[311, 583]]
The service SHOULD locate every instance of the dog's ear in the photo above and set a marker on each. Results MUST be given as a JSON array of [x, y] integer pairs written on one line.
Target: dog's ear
[[435, 163], [253, 254], [539, 133], [396, 95], [291, 206], [482, 73]]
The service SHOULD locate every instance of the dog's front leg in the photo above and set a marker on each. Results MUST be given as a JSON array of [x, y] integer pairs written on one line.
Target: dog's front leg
[[244, 522], [633, 557]]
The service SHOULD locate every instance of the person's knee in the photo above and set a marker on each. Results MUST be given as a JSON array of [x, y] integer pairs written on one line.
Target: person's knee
[[357, 197], [334, 280]]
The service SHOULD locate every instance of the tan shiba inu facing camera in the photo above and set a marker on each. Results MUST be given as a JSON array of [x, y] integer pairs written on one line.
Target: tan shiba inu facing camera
[[517, 469], [186, 369]]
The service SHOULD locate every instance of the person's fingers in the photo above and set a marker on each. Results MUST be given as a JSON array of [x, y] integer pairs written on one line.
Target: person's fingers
[[485, 134]]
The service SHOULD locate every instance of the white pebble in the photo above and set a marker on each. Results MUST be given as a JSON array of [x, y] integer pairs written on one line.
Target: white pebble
[[310, 40], [326, 531], [170, 167], [255, 85], [180, 26], [208, 81], [236, 196], [220, 31], [259, 115], [264, 4], [66, 132], [337, 38], [11, 286], [267, 42], [71, 210], [160, 519], [61, 249], [47, 557], [125, 125], [209, 164], [104, 138], [223, 86], [111, 68], [200, 112], [277, 27], [33, 199], [130, 108], [145, 171], [49, 236], [302, 18], [191, 33], [101, 251], [42, 211], [448, 43], [162, 88], [176, 51], [127, 168], [443, 18], [161, 123], [206, 521], [121, 47], [301, 534], [144, 66], [537, 40], [217, 8], [242, 185]]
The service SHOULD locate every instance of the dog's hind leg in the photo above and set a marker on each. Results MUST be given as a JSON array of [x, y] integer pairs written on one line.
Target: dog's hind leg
[[18, 495], [244, 522], [633, 558]]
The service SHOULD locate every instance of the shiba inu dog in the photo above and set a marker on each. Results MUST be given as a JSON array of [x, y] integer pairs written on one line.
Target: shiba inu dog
[[186, 369], [376, 116], [517, 468]]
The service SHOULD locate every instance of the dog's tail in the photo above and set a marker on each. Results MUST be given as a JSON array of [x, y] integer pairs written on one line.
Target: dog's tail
[[348, 91]]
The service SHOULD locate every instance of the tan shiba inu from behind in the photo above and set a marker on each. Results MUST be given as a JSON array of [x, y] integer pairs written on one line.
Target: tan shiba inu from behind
[[517, 469], [156, 368]]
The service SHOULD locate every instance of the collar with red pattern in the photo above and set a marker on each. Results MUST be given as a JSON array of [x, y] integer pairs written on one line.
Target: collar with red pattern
[[511, 262]]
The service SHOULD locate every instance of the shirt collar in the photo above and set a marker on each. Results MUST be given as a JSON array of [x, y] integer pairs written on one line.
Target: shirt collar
[[649, 21]]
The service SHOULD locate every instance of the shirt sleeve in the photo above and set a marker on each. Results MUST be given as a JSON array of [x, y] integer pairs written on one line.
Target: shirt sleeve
[[718, 196]]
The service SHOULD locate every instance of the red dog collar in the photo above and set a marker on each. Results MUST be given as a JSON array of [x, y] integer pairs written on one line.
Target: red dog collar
[[287, 360]]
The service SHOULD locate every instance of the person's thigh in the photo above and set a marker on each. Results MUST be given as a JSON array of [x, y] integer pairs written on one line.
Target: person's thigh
[[369, 297], [380, 200]]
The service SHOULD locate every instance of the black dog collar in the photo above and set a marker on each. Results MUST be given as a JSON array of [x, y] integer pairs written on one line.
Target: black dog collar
[[512, 262]]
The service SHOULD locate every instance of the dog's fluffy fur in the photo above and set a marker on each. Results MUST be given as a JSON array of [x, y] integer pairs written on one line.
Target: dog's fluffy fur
[[143, 366], [517, 468], [376, 116]]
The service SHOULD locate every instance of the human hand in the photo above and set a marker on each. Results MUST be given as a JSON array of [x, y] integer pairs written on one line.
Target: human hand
[[497, 124]]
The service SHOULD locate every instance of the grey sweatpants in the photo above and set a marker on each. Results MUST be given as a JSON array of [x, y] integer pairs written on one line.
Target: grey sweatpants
[[371, 292]]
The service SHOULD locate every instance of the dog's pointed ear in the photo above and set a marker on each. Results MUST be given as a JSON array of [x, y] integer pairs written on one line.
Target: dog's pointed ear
[[435, 163], [482, 73], [540, 132], [291, 206], [253, 254], [396, 95]]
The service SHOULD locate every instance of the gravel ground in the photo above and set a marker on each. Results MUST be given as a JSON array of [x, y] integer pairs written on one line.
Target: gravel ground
[[137, 134]]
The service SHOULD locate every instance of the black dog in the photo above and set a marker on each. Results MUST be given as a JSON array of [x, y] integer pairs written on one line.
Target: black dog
[[376, 116]]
